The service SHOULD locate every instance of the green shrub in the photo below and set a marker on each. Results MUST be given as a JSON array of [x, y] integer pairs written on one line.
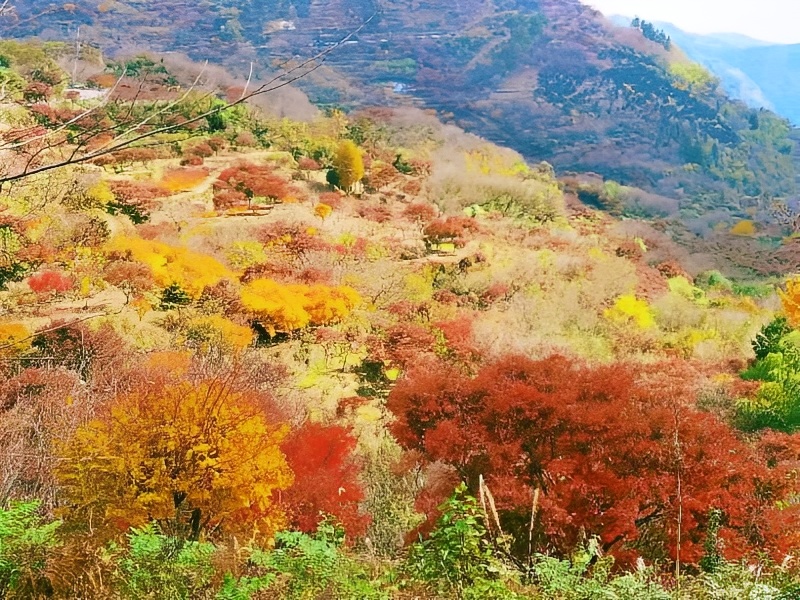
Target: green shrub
[[776, 405], [713, 279], [457, 558], [315, 566], [159, 566], [588, 576], [25, 541], [770, 339]]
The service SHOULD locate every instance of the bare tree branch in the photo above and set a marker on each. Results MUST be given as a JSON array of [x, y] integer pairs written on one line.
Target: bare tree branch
[[283, 79], [63, 126]]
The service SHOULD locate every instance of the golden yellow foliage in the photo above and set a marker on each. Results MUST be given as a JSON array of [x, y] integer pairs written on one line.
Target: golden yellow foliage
[[488, 160], [244, 254], [746, 228], [180, 180], [691, 76], [142, 306], [286, 307], [790, 299], [220, 332], [323, 211], [190, 457], [11, 336], [169, 264], [349, 164], [100, 193], [631, 308]]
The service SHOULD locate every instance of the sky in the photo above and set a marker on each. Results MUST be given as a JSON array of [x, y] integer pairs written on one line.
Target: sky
[[770, 20]]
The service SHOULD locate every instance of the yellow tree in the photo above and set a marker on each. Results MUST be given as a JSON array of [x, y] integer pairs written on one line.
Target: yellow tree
[[287, 307], [349, 165], [14, 338], [193, 457], [791, 301], [171, 264]]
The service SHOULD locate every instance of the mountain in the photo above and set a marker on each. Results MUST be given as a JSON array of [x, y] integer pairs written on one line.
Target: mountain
[[760, 73], [397, 360], [550, 78]]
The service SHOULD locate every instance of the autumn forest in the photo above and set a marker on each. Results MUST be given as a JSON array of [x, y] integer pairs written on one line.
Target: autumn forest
[[368, 354]]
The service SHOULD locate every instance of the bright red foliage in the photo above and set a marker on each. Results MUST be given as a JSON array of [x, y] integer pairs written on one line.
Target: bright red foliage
[[238, 185], [48, 282], [326, 478], [451, 229], [605, 445]]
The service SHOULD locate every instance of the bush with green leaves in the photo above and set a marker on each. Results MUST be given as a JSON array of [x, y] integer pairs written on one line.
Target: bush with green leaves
[[174, 296], [457, 559], [776, 405], [315, 566], [733, 581], [588, 575], [163, 567], [26, 539], [770, 340], [158, 566]]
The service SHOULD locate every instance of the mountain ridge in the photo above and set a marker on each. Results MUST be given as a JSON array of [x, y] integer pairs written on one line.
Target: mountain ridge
[[553, 80], [761, 73]]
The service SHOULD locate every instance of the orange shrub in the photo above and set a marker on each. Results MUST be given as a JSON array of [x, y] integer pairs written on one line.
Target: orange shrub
[[181, 180], [791, 301]]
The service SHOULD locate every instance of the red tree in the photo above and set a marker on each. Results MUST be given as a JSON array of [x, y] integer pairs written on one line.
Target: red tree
[[50, 282], [606, 447], [238, 185], [455, 229], [326, 478]]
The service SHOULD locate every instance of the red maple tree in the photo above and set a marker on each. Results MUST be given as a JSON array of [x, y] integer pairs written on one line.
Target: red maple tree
[[616, 452], [326, 478]]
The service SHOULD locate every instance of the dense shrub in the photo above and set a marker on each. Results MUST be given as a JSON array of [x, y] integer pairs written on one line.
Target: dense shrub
[[48, 282], [587, 438]]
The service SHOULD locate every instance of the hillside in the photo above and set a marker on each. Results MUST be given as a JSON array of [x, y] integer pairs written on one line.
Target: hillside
[[762, 74], [370, 355], [551, 79]]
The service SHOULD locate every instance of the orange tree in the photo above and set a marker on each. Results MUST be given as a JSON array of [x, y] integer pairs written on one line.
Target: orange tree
[[194, 457], [791, 301]]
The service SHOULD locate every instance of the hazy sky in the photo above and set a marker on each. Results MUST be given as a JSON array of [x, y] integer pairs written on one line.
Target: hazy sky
[[772, 20]]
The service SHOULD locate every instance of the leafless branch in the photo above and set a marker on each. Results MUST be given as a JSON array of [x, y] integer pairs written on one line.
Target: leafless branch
[[283, 79], [63, 126]]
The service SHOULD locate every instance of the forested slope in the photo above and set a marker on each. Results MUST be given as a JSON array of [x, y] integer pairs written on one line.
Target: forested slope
[[369, 356], [552, 80]]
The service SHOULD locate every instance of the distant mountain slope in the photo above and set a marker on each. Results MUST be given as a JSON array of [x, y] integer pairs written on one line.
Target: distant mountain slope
[[550, 78], [761, 74]]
